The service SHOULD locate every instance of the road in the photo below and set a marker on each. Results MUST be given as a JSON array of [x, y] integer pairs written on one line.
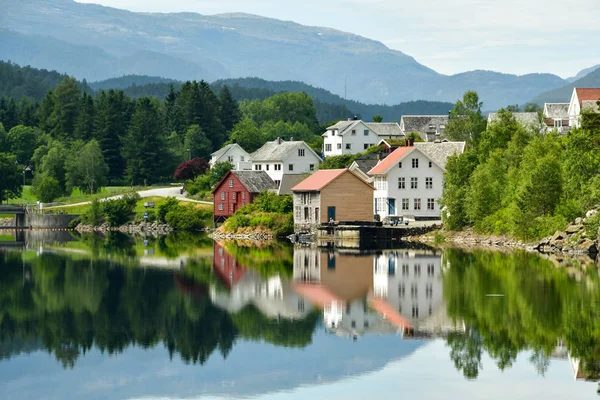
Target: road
[[174, 191]]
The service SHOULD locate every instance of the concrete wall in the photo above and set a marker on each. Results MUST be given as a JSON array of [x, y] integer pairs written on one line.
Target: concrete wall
[[48, 221]]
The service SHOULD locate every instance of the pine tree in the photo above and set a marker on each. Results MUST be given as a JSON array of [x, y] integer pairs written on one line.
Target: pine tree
[[230, 113], [66, 108], [84, 127]]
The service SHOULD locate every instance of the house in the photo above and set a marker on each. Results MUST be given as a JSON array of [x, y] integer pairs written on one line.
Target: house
[[409, 181], [528, 119], [363, 164], [236, 189], [582, 99], [288, 181], [428, 127], [337, 194], [556, 116], [355, 136], [285, 157], [233, 153]]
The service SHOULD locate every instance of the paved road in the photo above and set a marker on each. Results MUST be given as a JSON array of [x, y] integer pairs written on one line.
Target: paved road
[[174, 191]]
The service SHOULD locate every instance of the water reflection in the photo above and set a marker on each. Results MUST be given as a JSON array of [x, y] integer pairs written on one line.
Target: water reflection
[[198, 298]]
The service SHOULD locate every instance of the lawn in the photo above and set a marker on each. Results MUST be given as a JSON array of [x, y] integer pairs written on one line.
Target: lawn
[[139, 208], [76, 195]]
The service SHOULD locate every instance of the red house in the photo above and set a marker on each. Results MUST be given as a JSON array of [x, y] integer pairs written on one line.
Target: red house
[[237, 189], [226, 267]]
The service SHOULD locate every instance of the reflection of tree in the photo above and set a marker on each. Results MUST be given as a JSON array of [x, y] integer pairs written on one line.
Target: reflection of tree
[[539, 305], [465, 351], [267, 259]]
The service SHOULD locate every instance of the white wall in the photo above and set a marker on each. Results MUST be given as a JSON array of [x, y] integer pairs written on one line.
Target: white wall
[[422, 172], [235, 155], [356, 141], [301, 164]]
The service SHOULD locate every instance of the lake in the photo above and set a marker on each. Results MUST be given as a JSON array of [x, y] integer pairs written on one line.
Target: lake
[[115, 317]]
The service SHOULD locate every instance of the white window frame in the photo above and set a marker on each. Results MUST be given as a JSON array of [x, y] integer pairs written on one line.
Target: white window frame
[[402, 183], [405, 204], [348, 146], [339, 146], [301, 152], [430, 204], [222, 195], [290, 167], [429, 183], [328, 147], [231, 183], [417, 204], [414, 182], [366, 132], [221, 207], [415, 163]]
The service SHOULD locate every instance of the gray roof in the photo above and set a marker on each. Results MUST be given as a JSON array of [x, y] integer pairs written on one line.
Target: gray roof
[[440, 151], [420, 123], [255, 181], [385, 128], [342, 125], [524, 118], [279, 150], [367, 162], [224, 150], [288, 181], [590, 105], [556, 110]]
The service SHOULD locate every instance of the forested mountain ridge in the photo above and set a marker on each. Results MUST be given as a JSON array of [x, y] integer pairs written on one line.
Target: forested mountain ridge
[[101, 42], [563, 93]]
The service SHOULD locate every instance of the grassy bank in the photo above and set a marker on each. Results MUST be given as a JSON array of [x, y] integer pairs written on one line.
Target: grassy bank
[[270, 214]]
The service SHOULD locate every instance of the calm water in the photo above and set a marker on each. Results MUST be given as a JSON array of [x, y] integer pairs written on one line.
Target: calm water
[[183, 317]]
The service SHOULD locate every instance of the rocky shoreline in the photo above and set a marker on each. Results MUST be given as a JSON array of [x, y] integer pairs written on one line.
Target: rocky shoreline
[[153, 228], [259, 237], [7, 222]]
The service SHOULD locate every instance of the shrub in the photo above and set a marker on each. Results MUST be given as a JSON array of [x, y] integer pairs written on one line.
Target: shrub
[[48, 189], [94, 215], [271, 202], [186, 218], [163, 209], [119, 211], [191, 169], [591, 225]]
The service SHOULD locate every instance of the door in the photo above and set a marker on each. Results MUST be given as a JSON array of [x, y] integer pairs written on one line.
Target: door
[[330, 213], [391, 206]]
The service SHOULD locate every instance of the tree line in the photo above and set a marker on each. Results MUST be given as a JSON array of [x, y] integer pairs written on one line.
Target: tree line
[[519, 180]]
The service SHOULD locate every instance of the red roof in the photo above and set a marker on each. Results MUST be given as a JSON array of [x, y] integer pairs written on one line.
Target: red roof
[[584, 94], [389, 313], [318, 180], [316, 293], [390, 160]]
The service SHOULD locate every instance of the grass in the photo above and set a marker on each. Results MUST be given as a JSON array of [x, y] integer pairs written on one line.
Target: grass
[[76, 195], [139, 208], [7, 238]]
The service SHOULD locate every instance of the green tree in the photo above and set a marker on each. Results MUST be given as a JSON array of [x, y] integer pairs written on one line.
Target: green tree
[[377, 118], [466, 121], [196, 143], [66, 109], [47, 189], [11, 173], [248, 135], [22, 142], [218, 171], [52, 166], [229, 112], [86, 168], [143, 146], [84, 126], [458, 173]]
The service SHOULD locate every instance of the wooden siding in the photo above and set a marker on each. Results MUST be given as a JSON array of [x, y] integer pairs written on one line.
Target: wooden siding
[[347, 276], [351, 197], [235, 197]]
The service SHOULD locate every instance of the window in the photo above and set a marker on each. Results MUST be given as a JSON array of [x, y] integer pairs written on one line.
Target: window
[[404, 269], [558, 123], [366, 146], [231, 183], [402, 183], [277, 167], [380, 183], [414, 291], [328, 147], [291, 167], [414, 183], [432, 127], [231, 207], [418, 269], [301, 305], [348, 146], [243, 195], [379, 205], [353, 132], [430, 269], [221, 207], [431, 204], [234, 196], [258, 167], [400, 164], [306, 214], [311, 167], [300, 152], [278, 183], [366, 324], [415, 311], [405, 204], [222, 195], [230, 158], [442, 126], [366, 132], [430, 164], [242, 158], [339, 146], [415, 163], [267, 167], [401, 290], [353, 323], [417, 204], [428, 183], [429, 290]]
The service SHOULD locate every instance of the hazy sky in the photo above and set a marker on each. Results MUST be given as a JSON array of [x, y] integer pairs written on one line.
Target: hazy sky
[[450, 36]]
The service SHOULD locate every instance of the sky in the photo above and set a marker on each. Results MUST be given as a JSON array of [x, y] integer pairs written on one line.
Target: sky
[[512, 36]]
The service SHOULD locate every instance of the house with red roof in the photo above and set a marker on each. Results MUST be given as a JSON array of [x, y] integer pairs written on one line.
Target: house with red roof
[[582, 99], [337, 194], [409, 181]]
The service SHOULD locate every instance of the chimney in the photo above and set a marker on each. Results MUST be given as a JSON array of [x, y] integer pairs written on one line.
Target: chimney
[[292, 139], [349, 119], [234, 141], [278, 140], [410, 142], [355, 118]]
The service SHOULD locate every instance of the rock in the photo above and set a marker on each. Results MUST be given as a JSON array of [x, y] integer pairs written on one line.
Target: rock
[[591, 213], [557, 236], [574, 228], [578, 221], [588, 246]]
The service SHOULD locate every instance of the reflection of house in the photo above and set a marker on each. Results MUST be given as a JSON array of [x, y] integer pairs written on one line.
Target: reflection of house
[[337, 194], [410, 180], [582, 100], [355, 136], [232, 153], [428, 127], [273, 296], [282, 157], [556, 116], [236, 189]]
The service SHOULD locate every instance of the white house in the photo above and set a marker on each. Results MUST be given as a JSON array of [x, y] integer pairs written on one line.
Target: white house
[[409, 181], [428, 127], [582, 99], [233, 153], [556, 116], [355, 136], [280, 157]]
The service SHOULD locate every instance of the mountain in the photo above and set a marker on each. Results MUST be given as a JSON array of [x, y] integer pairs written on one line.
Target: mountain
[[98, 42], [563, 94], [127, 81], [583, 73]]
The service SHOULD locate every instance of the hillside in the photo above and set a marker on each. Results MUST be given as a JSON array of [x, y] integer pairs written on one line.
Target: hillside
[[95, 42], [563, 94]]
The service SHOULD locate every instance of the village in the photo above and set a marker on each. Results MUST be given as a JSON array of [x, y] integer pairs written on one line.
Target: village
[[400, 184]]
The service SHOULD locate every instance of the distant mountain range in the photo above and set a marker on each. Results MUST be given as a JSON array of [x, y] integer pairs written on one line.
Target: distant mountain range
[[563, 93], [97, 43]]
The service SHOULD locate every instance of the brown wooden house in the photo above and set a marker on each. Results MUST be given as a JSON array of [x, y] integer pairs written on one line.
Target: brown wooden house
[[237, 189]]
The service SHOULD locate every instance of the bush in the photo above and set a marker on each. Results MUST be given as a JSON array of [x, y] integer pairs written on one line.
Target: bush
[[118, 212], [94, 215], [48, 189], [591, 225], [163, 209], [186, 218], [271, 202], [191, 169]]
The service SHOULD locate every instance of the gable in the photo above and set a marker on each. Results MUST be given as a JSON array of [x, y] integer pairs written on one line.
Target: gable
[[399, 155]]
